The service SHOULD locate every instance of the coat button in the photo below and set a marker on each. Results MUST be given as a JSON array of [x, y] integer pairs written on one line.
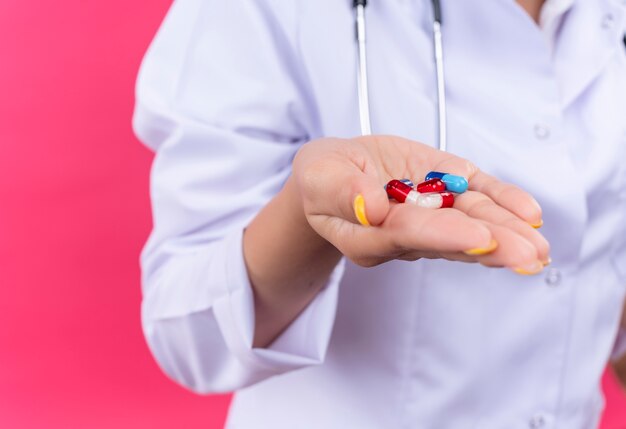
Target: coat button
[[537, 421], [542, 131], [553, 277]]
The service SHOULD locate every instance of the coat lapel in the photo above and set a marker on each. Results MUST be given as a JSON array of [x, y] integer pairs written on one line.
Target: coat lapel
[[590, 36]]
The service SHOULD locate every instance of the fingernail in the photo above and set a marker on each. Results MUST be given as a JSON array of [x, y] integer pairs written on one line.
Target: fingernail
[[482, 250], [359, 210], [537, 225], [535, 268], [547, 262]]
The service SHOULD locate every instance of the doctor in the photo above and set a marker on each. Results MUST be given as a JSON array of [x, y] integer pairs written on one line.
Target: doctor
[[277, 266]]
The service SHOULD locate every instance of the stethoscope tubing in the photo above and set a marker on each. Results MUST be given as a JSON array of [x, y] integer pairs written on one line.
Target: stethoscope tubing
[[362, 79]]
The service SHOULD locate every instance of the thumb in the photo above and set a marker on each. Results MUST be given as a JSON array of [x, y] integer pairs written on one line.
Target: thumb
[[341, 189], [352, 193], [369, 201]]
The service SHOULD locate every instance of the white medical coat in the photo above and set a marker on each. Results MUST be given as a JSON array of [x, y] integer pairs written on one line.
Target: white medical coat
[[228, 92]]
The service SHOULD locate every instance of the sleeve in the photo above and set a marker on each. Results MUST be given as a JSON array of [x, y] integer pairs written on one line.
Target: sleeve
[[222, 101]]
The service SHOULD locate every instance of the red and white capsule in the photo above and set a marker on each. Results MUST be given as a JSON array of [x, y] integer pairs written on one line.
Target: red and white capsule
[[406, 182], [435, 200], [432, 185], [403, 193]]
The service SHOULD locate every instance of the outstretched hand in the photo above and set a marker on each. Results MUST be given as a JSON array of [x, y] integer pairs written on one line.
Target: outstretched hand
[[340, 182]]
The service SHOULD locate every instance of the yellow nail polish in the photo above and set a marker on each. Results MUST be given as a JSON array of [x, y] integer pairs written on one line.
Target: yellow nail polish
[[482, 250], [359, 210], [537, 225], [529, 271]]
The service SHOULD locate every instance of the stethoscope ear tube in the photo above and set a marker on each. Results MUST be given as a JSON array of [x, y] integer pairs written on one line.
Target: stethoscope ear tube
[[441, 87], [362, 81], [437, 11]]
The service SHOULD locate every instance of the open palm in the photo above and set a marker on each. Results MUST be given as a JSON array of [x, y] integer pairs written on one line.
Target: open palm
[[492, 223]]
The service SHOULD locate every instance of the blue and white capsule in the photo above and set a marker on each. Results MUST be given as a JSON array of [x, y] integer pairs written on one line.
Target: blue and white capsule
[[453, 183]]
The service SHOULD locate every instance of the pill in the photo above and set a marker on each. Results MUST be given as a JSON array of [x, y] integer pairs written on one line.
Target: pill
[[399, 190], [453, 183], [433, 200], [403, 193], [432, 185], [406, 182]]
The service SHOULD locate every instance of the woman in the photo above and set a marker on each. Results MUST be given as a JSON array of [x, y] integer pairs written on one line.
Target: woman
[[278, 267]]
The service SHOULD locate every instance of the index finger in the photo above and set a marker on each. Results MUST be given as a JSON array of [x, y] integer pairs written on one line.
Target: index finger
[[509, 196]]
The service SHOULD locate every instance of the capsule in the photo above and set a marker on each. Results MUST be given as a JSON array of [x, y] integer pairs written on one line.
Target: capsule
[[453, 183], [403, 193], [435, 200], [432, 185], [406, 182]]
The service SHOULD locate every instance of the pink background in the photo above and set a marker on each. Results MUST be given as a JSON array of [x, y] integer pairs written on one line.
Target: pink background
[[74, 213]]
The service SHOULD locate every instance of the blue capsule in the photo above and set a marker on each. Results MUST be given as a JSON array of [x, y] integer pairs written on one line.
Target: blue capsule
[[453, 183], [408, 182], [434, 175]]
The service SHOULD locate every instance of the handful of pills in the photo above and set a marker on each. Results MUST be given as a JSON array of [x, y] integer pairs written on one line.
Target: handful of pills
[[435, 192]]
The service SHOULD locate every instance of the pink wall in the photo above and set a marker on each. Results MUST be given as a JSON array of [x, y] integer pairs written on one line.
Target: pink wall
[[74, 214]]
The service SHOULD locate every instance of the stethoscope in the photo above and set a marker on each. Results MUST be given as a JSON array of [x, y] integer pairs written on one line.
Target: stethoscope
[[364, 107]]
